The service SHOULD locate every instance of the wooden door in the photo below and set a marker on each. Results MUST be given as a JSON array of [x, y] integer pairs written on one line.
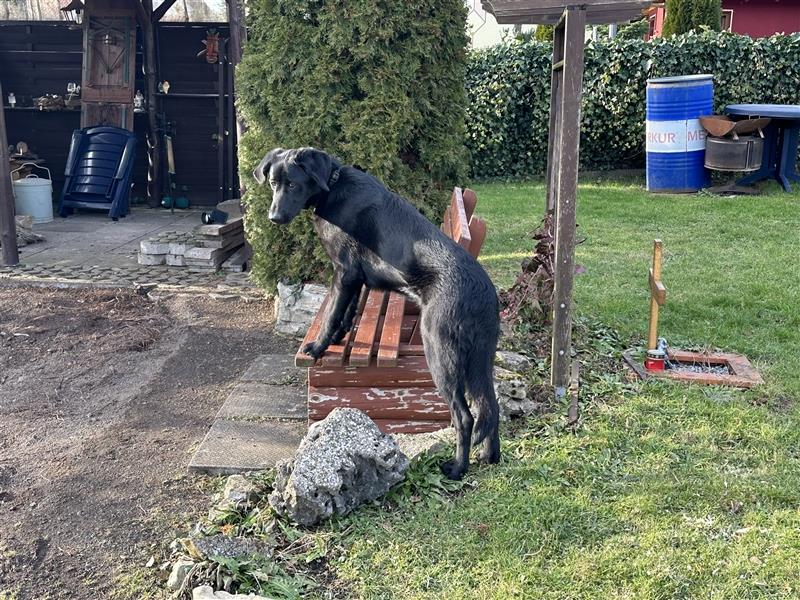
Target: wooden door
[[109, 63]]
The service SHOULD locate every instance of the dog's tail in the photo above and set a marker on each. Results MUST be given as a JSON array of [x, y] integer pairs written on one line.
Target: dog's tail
[[480, 387]]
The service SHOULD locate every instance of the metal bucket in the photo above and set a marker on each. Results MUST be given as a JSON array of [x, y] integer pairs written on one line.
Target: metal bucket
[[675, 139], [742, 154], [33, 196]]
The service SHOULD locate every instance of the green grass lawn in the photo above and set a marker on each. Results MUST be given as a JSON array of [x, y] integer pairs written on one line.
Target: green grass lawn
[[666, 491]]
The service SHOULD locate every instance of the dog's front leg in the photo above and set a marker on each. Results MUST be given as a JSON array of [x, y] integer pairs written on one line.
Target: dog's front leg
[[342, 294]]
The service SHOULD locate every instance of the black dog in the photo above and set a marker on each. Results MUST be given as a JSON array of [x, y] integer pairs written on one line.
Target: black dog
[[377, 238]]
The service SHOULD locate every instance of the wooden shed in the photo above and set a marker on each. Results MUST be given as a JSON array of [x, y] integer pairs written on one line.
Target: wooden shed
[[191, 98]]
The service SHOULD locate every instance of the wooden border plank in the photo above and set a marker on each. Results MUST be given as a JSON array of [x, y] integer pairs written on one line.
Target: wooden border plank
[[411, 371], [422, 403]]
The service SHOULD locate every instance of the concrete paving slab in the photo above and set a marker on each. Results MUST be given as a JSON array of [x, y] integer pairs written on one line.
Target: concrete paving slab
[[239, 446], [276, 369], [254, 400]]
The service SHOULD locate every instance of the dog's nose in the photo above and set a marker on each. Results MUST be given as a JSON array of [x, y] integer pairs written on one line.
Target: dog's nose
[[277, 219]]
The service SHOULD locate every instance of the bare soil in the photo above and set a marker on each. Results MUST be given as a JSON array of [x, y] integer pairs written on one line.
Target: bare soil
[[104, 394]]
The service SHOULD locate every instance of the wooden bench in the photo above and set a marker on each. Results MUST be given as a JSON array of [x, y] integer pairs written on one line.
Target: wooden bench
[[380, 367]]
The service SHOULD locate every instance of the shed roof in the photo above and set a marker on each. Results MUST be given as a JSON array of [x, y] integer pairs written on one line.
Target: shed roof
[[185, 11], [549, 11]]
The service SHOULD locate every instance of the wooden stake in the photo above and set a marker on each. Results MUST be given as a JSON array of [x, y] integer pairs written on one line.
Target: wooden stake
[[658, 295], [8, 228]]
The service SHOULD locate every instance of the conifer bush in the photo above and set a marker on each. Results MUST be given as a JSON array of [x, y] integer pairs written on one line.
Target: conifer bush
[[376, 83]]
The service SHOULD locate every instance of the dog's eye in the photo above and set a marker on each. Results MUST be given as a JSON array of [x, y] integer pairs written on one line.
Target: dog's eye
[[292, 185], [273, 184]]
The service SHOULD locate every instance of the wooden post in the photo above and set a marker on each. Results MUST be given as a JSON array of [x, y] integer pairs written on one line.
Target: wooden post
[[221, 122], [238, 34], [153, 134], [8, 227], [551, 178], [658, 295], [568, 124]]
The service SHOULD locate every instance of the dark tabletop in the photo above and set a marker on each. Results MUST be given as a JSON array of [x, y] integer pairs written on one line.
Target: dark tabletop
[[776, 111]]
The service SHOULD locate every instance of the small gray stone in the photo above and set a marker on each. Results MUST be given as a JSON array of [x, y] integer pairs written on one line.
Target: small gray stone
[[513, 361], [239, 489], [414, 445], [343, 462], [152, 259], [296, 306], [226, 547], [512, 390], [179, 573], [206, 592]]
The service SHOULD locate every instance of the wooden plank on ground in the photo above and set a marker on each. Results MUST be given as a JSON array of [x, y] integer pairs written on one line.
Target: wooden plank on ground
[[379, 403], [389, 347], [361, 352], [304, 360]]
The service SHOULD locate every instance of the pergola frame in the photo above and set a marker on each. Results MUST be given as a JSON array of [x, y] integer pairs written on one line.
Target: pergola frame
[[563, 142]]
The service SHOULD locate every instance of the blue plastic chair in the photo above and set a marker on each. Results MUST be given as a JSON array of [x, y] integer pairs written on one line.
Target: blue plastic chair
[[99, 171]]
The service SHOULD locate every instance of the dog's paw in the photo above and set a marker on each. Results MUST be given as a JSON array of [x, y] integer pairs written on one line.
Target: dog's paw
[[453, 470], [314, 349]]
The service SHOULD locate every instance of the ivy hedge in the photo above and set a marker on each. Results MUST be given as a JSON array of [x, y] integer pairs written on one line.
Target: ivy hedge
[[376, 83], [509, 89]]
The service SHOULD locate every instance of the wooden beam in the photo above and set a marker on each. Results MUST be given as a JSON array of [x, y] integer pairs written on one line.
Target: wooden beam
[[153, 134], [141, 15], [569, 125], [159, 13], [551, 178], [8, 228], [238, 35], [658, 295]]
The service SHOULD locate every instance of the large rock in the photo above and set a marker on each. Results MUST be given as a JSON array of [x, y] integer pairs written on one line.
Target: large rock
[[343, 462], [414, 445], [296, 306], [180, 571]]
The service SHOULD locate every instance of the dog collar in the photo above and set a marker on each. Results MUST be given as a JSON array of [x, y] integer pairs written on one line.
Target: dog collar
[[334, 177]]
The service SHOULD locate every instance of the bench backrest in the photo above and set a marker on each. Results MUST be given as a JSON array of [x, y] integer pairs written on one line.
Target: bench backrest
[[461, 225]]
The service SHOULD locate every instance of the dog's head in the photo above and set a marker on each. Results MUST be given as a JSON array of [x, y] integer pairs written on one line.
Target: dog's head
[[296, 177]]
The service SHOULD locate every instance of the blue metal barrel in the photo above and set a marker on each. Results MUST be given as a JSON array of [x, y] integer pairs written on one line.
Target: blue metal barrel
[[676, 141]]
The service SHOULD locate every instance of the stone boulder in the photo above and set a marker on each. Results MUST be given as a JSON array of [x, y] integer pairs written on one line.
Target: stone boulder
[[296, 306], [513, 361], [343, 462]]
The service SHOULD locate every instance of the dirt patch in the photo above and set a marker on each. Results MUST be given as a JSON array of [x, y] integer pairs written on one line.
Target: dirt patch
[[103, 396]]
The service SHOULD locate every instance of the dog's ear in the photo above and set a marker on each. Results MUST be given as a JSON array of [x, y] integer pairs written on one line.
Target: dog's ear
[[260, 172], [317, 165]]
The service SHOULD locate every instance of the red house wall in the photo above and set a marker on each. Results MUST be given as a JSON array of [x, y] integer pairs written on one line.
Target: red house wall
[[761, 18]]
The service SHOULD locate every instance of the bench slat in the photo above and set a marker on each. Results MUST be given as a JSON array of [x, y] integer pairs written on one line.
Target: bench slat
[[304, 360], [390, 403], [477, 229], [389, 348], [361, 353], [335, 355], [470, 202], [460, 224]]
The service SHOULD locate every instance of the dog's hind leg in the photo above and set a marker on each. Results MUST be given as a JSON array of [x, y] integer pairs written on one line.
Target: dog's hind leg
[[480, 387], [443, 363]]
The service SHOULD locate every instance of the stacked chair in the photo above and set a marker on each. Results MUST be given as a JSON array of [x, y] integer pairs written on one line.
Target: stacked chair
[[99, 171]]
